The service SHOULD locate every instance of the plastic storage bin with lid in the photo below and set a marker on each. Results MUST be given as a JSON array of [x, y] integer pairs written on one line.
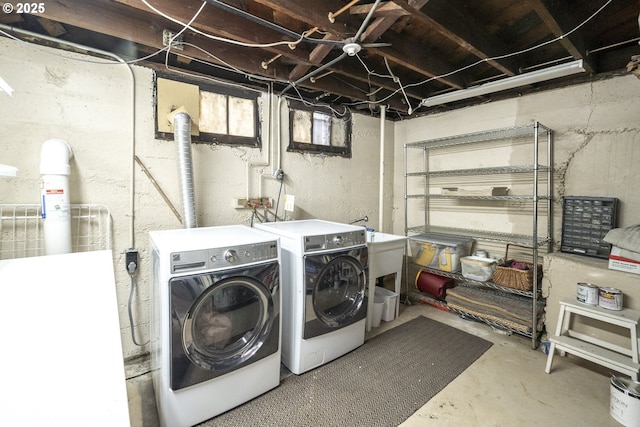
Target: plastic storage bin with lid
[[478, 268], [441, 251]]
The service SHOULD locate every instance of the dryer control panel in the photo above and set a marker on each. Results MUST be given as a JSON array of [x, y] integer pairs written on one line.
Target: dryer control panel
[[335, 241], [207, 259]]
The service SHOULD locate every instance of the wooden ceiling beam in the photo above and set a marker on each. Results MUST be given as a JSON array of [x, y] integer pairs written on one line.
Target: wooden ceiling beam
[[121, 21], [224, 24], [401, 51], [560, 22], [464, 30]]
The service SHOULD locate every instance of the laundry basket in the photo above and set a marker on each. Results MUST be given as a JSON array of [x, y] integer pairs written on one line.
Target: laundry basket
[[516, 278]]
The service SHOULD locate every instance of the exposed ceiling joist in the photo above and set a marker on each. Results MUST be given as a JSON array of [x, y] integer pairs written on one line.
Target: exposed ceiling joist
[[407, 50]]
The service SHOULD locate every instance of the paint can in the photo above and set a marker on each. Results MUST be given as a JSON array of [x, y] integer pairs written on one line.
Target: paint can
[[587, 293], [610, 298], [625, 401]]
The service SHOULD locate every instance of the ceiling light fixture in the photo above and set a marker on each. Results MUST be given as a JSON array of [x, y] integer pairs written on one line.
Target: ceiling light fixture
[[545, 74]]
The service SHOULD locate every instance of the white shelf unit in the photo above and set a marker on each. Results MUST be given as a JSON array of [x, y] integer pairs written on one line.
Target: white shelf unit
[[530, 171]]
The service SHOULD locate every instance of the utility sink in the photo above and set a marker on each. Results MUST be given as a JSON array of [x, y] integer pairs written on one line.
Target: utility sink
[[386, 252], [378, 242]]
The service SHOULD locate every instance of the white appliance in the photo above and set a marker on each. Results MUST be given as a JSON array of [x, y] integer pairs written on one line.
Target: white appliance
[[72, 306], [323, 290], [216, 326]]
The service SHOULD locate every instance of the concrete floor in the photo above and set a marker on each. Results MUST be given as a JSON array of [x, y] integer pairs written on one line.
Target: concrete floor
[[506, 386]]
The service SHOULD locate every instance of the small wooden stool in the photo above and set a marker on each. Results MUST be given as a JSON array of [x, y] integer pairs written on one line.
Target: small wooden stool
[[613, 356]]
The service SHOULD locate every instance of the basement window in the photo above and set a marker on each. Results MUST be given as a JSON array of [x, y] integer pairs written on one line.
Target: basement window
[[220, 115], [317, 129]]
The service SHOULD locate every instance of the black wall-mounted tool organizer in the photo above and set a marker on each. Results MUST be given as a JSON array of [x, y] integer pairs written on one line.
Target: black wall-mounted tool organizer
[[585, 222]]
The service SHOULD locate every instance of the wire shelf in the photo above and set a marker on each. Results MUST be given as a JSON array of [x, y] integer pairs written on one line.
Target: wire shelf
[[22, 230], [498, 134], [491, 236], [498, 170]]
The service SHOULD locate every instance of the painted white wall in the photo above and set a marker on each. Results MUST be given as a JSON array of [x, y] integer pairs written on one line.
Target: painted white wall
[[61, 95]]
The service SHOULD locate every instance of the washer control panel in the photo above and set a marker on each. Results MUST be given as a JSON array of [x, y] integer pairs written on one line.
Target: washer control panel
[[207, 259], [335, 241]]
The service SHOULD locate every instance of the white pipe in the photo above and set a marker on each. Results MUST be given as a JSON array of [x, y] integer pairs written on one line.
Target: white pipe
[[278, 161], [383, 115], [268, 146], [182, 135], [56, 201]]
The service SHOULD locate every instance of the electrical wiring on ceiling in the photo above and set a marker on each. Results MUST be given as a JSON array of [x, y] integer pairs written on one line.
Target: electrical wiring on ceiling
[[519, 52], [300, 38]]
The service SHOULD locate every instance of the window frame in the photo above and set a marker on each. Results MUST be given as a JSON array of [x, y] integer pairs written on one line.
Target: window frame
[[304, 147], [210, 137]]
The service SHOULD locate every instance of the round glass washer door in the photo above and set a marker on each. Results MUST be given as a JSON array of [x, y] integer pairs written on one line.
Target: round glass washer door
[[339, 291], [228, 323]]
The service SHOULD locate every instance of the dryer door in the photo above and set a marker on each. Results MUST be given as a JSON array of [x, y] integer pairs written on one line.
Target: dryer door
[[335, 290], [230, 322]]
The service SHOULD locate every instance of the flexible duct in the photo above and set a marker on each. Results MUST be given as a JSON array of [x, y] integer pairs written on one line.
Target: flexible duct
[[182, 135], [56, 204]]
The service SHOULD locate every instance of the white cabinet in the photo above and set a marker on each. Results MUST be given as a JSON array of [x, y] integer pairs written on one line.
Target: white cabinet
[[493, 186]]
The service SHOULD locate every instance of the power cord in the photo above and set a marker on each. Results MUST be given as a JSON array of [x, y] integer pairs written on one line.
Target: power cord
[[131, 260]]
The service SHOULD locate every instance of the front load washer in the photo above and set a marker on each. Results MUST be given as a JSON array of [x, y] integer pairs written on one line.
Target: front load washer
[[216, 325], [323, 290]]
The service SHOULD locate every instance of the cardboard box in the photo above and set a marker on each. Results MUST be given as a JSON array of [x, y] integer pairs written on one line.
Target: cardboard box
[[618, 262]]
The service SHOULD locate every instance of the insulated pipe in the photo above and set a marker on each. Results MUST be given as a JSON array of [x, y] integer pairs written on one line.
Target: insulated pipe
[[56, 204], [383, 115], [182, 135]]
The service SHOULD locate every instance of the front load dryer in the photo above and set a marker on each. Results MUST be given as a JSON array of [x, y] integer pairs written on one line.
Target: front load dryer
[[323, 290], [216, 325]]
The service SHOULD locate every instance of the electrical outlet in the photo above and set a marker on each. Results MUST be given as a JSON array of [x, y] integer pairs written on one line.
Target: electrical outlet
[[253, 203]]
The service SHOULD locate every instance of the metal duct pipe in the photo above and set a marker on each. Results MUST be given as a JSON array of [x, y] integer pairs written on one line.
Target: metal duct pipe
[[182, 136]]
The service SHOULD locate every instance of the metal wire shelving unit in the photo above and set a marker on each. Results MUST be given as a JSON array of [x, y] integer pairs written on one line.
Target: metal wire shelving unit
[[535, 172]]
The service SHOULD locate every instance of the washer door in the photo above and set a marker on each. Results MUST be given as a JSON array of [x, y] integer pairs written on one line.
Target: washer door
[[231, 322], [335, 291]]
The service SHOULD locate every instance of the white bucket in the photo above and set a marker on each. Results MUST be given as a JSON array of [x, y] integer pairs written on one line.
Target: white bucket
[[378, 308], [625, 401]]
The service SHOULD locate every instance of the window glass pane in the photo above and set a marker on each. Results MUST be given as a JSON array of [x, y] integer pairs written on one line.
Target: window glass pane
[[241, 117], [213, 113], [321, 128], [302, 126]]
